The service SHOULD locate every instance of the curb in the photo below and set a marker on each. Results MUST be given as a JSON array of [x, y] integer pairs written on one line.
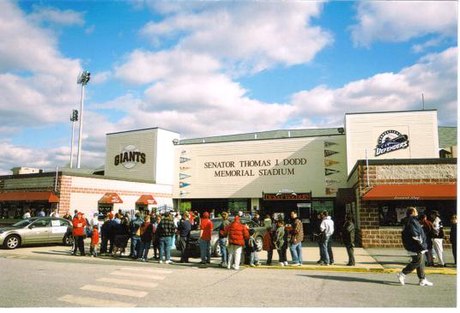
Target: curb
[[332, 268]]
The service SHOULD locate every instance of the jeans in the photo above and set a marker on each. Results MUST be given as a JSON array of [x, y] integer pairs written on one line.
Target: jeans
[[223, 250], [165, 248], [296, 253], [135, 247], [144, 249], [418, 262], [205, 250], [324, 251], [234, 253]]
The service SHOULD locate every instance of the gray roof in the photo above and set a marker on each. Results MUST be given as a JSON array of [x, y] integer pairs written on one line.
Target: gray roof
[[270, 134], [447, 137]]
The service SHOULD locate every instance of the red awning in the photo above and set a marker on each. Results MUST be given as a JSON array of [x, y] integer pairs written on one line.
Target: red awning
[[48, 196], [412, 192], [110, 198], [146, 200]]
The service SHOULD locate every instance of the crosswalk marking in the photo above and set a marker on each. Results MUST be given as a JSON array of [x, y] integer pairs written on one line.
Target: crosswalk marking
[[147, 270], [116, 291], [139, 275], [94, 302], [127, 282]]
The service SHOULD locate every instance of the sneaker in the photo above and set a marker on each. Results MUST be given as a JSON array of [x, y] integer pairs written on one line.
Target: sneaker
[[168, 262], [281, 263], [296, 264], [161, 262], [252, 265], [401, 278], [286, 263], [425, 282]]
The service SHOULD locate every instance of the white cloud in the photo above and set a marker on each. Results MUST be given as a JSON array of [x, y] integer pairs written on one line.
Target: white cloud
[[397, 21], [36, 88], [55, 16], [248, 37], [434, 75]]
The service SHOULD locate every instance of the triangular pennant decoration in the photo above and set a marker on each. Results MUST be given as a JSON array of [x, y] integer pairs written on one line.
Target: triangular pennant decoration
[[329, 171], [328, 144], [329, 152], [328, 162], [183, 176], [184, 159], [183, 185]]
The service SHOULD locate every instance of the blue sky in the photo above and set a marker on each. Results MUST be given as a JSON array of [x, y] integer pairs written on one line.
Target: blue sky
[[205, 68]]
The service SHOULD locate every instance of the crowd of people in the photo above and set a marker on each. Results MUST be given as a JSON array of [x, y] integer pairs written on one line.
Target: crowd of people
[[236, 239]]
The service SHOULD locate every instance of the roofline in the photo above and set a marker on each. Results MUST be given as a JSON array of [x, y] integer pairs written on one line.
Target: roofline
[[139, 130], [390, 112], [264, 132]]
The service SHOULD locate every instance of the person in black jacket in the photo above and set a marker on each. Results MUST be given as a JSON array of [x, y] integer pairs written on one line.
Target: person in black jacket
[[184, 227], [348, 236], [414, 240]]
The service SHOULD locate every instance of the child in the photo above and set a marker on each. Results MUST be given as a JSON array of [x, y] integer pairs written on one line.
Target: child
[[94, 241], [280, 242], [268, 244], [254, 258]]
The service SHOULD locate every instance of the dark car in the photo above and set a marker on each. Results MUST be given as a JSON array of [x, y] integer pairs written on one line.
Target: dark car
[[36, 230], [194, 243]]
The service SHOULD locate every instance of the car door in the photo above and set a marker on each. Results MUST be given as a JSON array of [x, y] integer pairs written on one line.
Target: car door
[[37, 232], [57, 230]]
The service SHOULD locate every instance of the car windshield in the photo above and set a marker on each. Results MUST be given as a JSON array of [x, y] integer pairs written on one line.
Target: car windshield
[[24, 223]]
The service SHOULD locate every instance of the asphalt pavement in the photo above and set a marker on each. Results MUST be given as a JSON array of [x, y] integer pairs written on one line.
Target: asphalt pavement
[[375, 260]]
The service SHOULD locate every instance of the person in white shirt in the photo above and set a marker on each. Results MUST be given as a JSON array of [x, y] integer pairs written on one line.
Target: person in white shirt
[[438, 238], [327, 230]]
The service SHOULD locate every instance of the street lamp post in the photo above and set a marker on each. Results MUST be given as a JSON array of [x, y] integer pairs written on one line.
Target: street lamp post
[[73, 119], [83, 79]]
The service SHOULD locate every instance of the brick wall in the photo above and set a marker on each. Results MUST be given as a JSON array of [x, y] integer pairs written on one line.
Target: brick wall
[[370, 233], [390, 237]]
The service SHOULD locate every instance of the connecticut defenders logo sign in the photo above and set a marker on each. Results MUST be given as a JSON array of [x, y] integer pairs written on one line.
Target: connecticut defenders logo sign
[[391, 140], [129, 157]]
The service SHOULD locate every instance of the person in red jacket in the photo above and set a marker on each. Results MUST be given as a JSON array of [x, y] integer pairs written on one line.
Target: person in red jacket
[[78, 232], [206, 228], [237, 234], [94, 241]]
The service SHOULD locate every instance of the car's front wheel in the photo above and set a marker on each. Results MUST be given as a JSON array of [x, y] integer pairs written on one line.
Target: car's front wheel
[[12, 242], [68, 240]]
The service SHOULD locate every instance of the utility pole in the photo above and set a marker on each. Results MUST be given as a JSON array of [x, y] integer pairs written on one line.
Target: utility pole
[[83, 79]]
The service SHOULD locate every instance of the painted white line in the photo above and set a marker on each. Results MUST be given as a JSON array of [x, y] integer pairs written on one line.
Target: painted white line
[[115, 291], [146, 270], [139, 275], [94, 302], [127, 282]]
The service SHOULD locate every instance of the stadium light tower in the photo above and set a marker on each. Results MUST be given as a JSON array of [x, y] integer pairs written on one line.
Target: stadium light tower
[[83, 79], [73, 119]]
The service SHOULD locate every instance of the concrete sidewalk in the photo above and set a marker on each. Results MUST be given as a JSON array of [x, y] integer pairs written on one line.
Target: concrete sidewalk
[[384, 260]]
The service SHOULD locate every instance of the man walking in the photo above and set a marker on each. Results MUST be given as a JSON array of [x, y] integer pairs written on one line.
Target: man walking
[[296, 238], [414, 240]]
